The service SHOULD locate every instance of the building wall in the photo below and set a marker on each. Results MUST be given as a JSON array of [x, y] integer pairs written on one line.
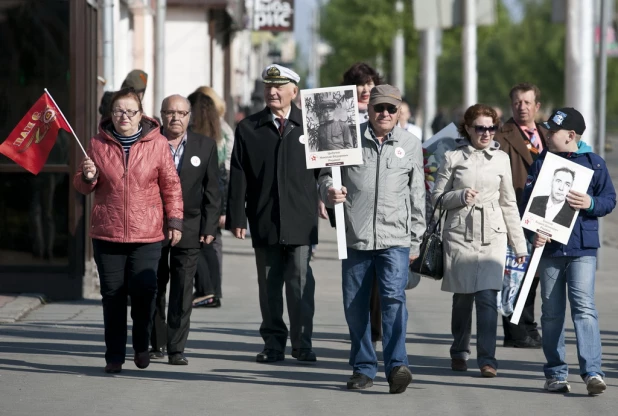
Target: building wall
[[187, 50]]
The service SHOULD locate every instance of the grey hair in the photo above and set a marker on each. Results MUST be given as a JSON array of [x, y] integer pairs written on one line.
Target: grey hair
[[166, 99]]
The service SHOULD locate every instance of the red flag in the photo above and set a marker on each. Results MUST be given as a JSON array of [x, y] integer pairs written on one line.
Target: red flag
[[34, 136]]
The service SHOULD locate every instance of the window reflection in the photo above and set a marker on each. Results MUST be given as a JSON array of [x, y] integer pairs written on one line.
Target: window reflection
[[34, 218]]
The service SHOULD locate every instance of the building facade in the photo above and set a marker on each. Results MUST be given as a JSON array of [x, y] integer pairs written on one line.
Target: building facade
[[46, 44]]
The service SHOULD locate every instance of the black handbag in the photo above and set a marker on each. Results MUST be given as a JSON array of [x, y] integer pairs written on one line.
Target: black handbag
[[430, 262]]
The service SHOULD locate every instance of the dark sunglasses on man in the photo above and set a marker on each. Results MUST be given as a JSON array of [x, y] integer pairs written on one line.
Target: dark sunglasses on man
[[483, 129], [379, 108]]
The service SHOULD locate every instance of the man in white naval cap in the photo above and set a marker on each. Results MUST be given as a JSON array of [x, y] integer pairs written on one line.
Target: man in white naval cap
[[270, 186]]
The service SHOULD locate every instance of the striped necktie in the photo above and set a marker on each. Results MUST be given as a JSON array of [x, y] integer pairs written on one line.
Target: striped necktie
[[281, 125], [534, 140]]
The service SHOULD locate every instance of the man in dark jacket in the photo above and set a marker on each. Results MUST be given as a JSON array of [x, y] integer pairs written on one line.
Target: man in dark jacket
[[270, 186], [568, 270], [195, 157], [523, 140]]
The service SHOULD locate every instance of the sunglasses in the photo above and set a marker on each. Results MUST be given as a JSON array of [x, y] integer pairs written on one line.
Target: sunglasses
[[379, 108], [483, 129]]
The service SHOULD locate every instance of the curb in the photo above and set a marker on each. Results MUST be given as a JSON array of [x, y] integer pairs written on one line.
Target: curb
[[20, 307]]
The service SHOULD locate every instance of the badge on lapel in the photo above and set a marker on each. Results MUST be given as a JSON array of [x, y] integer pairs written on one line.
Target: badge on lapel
[[195, 161]]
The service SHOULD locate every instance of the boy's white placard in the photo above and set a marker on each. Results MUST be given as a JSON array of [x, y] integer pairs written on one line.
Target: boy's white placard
[[548, 212], [332, 133]]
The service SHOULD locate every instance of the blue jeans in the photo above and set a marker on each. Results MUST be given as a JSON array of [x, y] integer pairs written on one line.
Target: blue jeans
[[390, 266], [575, 276], [486, 326]]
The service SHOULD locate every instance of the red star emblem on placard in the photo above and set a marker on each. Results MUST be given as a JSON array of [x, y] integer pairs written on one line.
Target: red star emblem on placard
[[313, 158], [527, 221]]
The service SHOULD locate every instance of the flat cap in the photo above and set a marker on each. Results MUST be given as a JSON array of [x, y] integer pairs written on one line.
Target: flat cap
[[137, 79], [384, 94]]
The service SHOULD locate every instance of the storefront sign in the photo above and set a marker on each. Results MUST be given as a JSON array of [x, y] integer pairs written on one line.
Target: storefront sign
[[273, 15]]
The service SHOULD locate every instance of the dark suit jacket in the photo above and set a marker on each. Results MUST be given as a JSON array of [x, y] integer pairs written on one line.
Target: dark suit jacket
[[200, 190], [564, 217], [270, 184], [511, 140]]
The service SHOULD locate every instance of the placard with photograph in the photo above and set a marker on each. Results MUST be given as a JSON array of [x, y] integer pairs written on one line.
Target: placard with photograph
[[332, 134], [548, 211]]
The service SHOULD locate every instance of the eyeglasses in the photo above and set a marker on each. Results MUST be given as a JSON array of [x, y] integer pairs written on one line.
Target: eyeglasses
[[129, 113], [483, 129], [379, 108], [172, 113]]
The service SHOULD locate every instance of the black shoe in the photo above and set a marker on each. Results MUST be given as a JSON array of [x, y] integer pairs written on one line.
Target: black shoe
[[215, 303], [304, 355], [359, 381], [269, 356], [508, 343], [527, 343], [205, 303], [177, 359], [399, 379], [536, 336], [142, 359], [157, 354]]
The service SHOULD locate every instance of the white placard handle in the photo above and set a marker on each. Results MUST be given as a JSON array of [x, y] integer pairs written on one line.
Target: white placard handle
[[527, 283], [339, 216]]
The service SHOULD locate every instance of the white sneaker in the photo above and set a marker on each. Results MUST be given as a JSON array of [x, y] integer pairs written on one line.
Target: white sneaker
[[595, 384], [557, 386]]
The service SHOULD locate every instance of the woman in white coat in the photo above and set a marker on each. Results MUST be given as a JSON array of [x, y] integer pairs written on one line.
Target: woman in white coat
[[482, 215]]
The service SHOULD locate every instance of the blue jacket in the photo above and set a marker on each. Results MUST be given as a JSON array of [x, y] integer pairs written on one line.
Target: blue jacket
[[584, 239]]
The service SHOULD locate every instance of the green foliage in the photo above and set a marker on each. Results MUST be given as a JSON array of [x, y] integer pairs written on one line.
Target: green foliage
[[532, 50], [360, 30]]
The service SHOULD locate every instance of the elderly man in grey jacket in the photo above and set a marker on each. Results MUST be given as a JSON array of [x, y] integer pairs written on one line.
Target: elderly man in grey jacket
[[385, 219]]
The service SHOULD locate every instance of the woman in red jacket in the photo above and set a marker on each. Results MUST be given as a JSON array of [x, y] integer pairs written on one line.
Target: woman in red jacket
[[131, 172]]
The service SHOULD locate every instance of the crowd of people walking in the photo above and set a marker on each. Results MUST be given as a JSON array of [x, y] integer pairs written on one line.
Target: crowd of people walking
[[164, 191]]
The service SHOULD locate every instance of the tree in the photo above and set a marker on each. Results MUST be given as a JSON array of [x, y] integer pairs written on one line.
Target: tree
[[361, 30]]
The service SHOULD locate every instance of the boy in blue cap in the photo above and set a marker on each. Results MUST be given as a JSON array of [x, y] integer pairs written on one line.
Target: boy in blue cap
[[571, 267]]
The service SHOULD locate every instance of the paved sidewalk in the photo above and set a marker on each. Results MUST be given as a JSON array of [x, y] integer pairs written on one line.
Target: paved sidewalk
[[51, 362], [15, 307]]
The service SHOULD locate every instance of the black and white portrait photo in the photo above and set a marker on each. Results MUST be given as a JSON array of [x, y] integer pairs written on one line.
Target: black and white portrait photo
[[554, 207], [548, 210], [331, 129]]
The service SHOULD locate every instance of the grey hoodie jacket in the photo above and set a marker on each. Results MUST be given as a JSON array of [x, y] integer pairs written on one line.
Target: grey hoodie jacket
[[385, 203]]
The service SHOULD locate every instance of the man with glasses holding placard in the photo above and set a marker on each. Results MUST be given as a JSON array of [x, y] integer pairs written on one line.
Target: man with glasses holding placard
[[195, 158], [384, 226]]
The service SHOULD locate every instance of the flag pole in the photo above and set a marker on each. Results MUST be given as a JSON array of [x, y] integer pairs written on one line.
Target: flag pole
[[66, 121]]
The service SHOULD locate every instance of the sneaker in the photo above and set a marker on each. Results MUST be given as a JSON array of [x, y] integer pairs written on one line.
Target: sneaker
[[595, 384], [554, 385]]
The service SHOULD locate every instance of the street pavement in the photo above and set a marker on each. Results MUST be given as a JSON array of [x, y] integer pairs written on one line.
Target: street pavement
[[51, 361]]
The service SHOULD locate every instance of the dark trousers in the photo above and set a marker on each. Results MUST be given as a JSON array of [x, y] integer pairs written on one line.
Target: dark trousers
[[526, 325], [278, 265], [208, 275], [177, 266], [126, 269], [486, 326]]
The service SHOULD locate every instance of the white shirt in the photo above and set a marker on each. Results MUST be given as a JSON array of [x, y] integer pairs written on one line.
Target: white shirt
[[552, 209]]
